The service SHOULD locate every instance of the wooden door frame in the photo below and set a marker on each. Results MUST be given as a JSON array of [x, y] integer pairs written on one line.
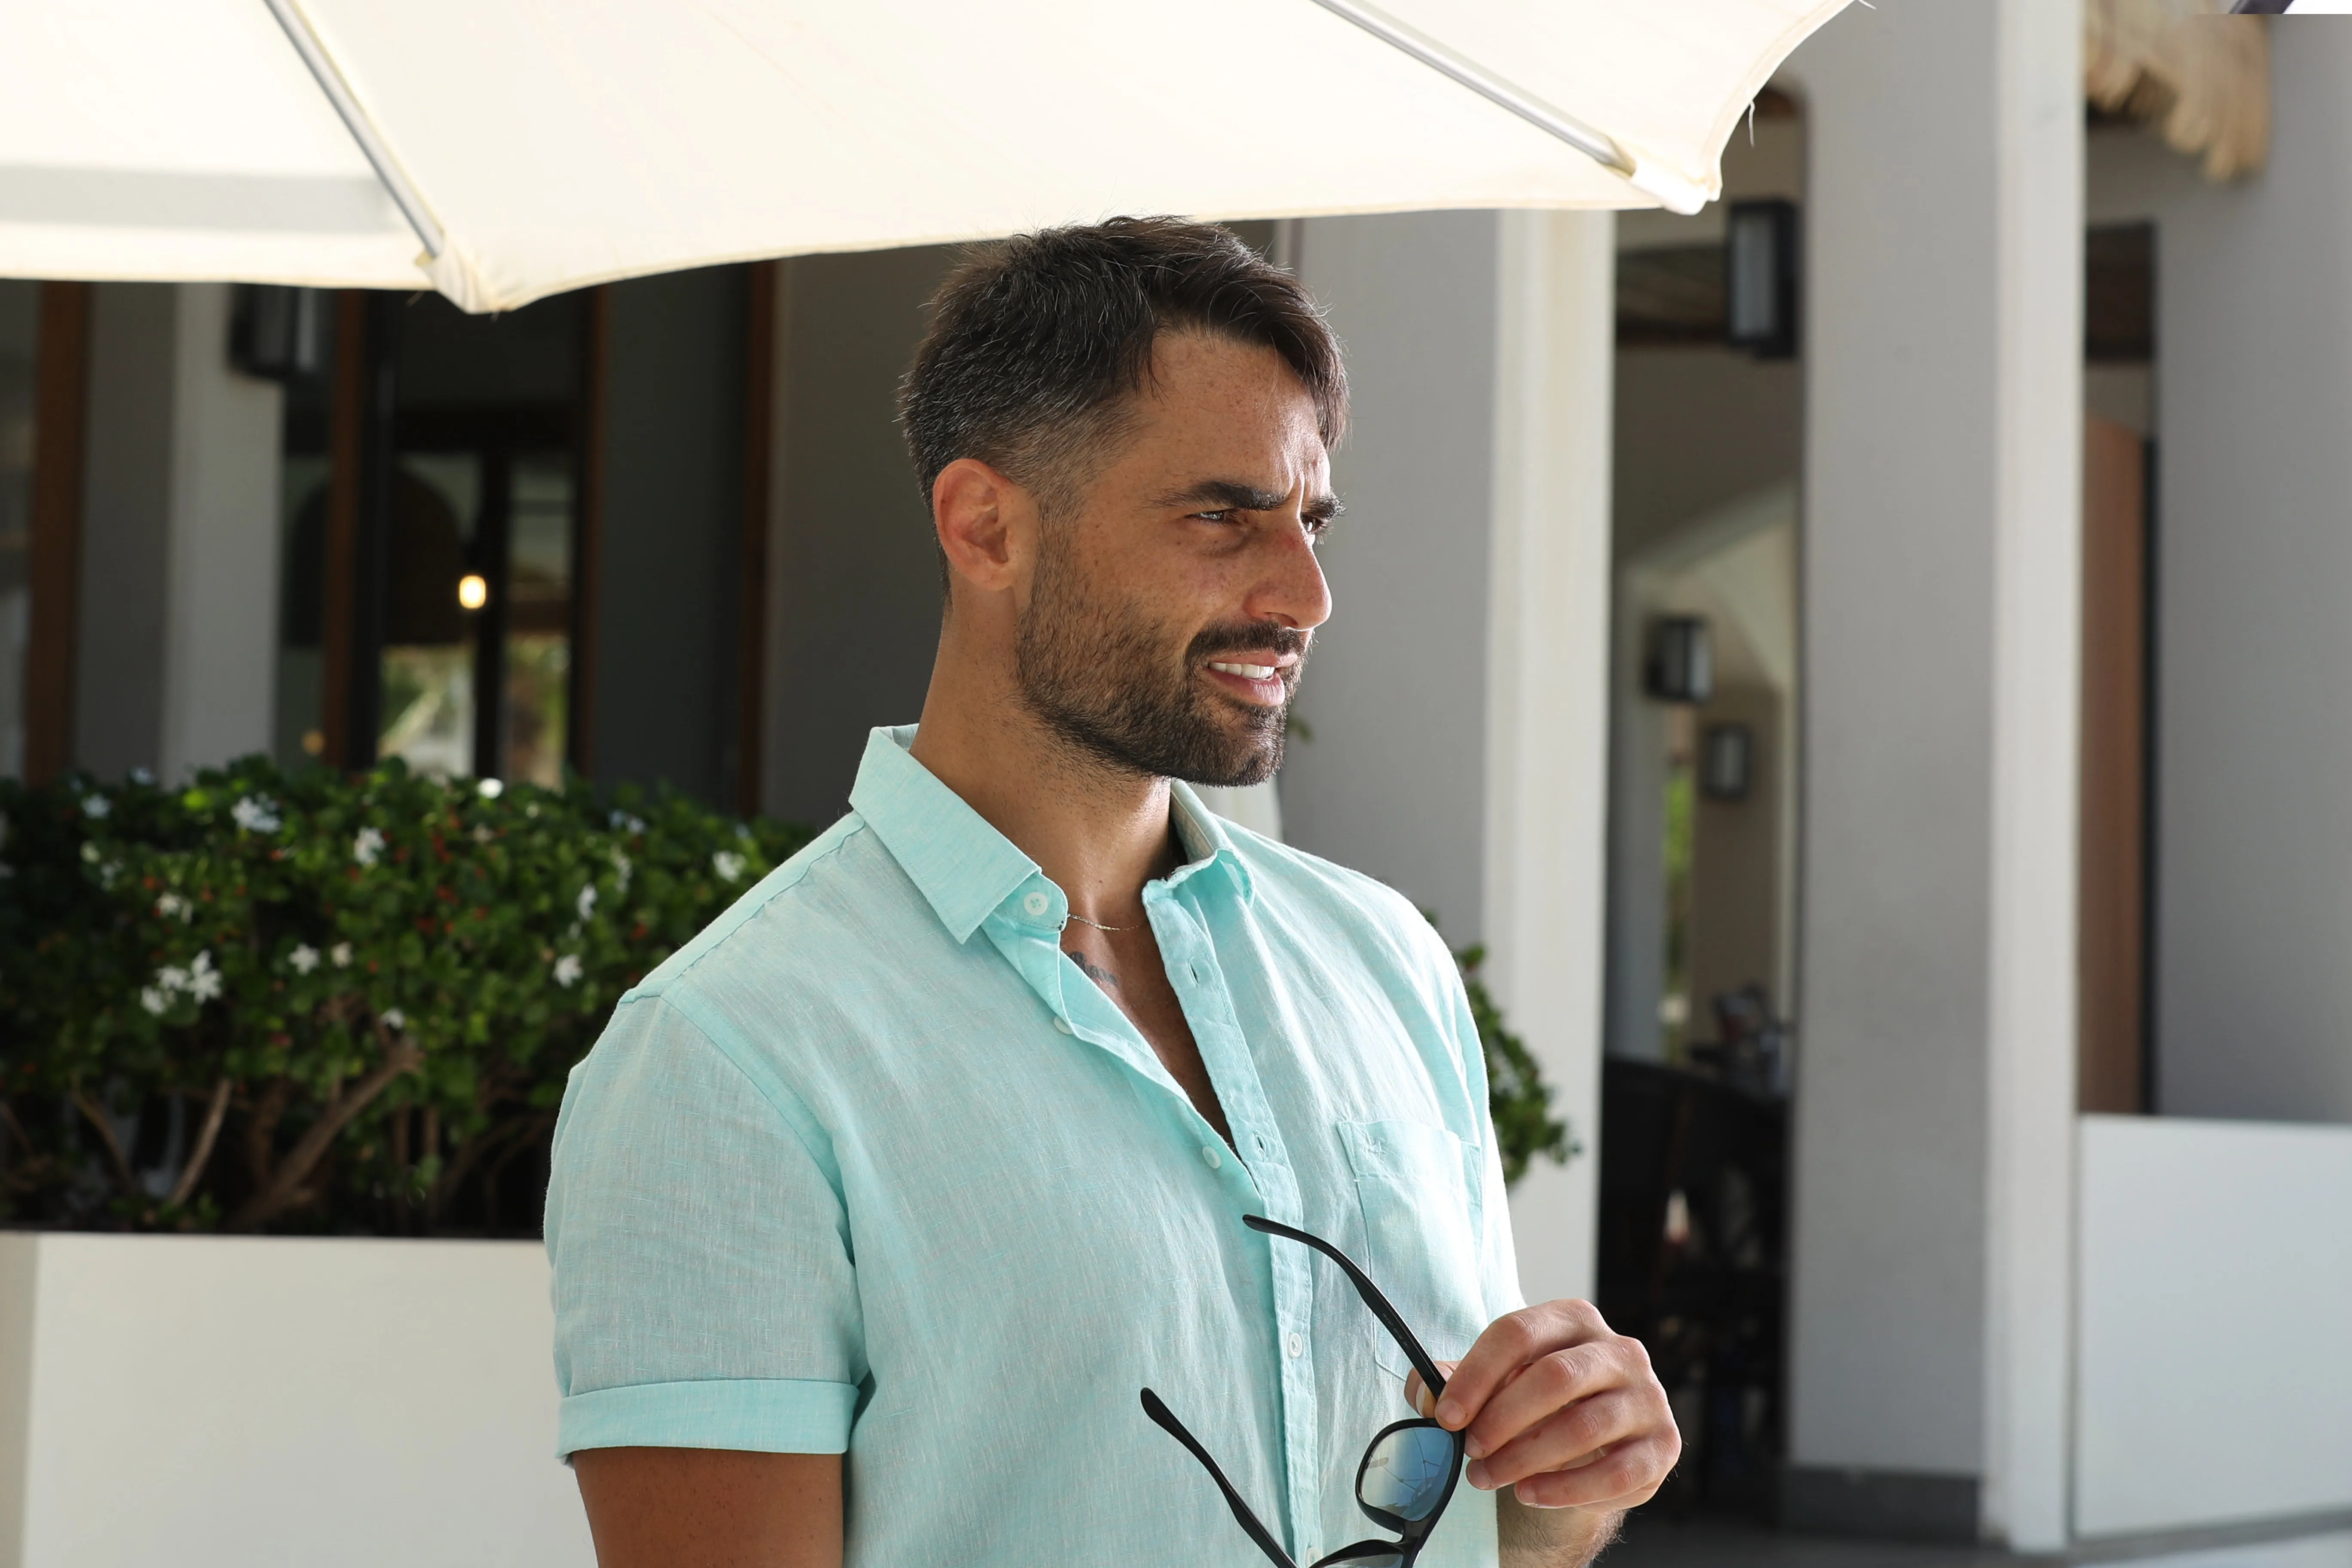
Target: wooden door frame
[[60, 444]]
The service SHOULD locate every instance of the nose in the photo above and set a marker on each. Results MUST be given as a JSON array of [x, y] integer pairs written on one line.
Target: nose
[[1290, 587]]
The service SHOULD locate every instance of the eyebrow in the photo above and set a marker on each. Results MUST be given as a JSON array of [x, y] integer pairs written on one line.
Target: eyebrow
[[1224, 495]]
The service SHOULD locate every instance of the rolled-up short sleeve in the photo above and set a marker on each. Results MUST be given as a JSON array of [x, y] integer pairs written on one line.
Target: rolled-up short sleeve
[[704, 1292]]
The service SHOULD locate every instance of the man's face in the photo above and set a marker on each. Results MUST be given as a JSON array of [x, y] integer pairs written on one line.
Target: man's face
[[1167, 623]]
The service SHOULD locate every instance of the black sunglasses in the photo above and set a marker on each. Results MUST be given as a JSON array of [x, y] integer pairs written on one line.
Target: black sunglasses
[[1409, 1471]]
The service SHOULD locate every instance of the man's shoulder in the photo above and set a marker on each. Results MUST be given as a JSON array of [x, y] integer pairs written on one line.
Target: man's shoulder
[[811, 914], [1350, 900]]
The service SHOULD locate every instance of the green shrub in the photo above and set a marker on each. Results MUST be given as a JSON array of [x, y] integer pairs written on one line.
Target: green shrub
[[311, 1002], [1517, 1096], [303, 1001]]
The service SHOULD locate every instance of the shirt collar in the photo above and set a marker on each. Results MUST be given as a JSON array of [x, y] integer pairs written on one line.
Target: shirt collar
[[965, 867], [1202, 833]]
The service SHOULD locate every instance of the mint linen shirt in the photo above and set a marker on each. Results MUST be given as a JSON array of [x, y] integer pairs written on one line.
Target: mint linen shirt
[[870, 1167]]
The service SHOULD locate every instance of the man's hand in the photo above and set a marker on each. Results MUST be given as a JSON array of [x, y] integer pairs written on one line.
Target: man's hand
[[1566, 1414]]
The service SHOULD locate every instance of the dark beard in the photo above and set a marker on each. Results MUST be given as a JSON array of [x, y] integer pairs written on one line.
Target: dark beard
[[1102, 677]]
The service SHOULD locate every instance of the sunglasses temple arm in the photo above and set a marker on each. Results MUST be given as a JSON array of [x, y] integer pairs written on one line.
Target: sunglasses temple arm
[[1249, 1519], [1431, 1378]]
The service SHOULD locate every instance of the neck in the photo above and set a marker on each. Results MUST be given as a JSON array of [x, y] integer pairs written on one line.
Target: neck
[[1098, 831]]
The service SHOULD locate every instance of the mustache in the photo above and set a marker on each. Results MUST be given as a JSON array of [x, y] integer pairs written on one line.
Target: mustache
[[1255, 636]]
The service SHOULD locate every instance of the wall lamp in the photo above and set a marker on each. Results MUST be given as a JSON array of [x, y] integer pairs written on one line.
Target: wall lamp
[[1727, 762], [1759, 278], [278, 333], [1681, 666]]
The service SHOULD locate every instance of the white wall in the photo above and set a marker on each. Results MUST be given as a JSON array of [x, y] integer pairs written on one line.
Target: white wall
[[1393, 783], [178, 635], [1458, 696], [1933, 1145], [220, 598], [1546, 714], [2255, 566], [217, 1403], [2186, 1225]]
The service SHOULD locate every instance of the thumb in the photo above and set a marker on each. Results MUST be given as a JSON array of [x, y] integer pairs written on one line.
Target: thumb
[[1419, 1397]]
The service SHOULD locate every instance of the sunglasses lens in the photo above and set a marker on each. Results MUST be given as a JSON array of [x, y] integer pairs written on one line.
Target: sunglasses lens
[[1406, 1472]]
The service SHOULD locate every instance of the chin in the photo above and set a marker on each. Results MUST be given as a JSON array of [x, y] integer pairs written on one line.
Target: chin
[[1254, 766]]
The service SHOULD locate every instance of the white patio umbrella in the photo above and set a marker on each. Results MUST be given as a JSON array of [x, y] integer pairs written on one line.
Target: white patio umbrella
[[504, 150]]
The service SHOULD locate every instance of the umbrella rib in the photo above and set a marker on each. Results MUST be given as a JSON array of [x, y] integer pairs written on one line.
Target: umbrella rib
[[1594, 144], [339, 93]]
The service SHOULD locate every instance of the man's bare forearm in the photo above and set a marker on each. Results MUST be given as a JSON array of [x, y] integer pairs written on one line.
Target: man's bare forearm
[[1551, 1537]]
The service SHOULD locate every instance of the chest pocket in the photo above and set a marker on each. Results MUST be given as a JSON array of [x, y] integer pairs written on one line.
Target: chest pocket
[[1420, 1250]]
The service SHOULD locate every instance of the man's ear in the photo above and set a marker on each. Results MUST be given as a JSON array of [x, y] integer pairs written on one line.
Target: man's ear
[[985, 523]]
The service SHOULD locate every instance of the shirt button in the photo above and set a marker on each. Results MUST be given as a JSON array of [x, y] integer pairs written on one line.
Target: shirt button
[[1210, 1157], [1036, 903], [1063, 1024], [1295, 1345]]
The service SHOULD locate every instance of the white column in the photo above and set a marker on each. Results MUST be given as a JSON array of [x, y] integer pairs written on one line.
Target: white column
[[2037, 591], [1548, 700], [220, 614], [1931, 1320]]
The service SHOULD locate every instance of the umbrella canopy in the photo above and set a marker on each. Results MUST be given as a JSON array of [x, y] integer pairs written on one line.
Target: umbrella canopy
[[504, 150]]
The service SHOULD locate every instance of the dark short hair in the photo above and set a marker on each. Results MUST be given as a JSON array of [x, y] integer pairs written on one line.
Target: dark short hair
[[1036, 343]]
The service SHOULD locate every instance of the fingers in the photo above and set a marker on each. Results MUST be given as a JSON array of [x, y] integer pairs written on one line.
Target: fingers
[[1555, 1382], [1417, 1396], [1566, 1412], [1511, 1342], [1627, 1476], [1580, 1434]]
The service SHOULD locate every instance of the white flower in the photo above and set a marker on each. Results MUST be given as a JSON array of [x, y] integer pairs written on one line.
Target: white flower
[[729, 864], [394, 1019], [304, 958], [89, 852], [586, 902], [482, 834], [622, 819], [622, 868], [154, 1000], [173, 906], [96, 807], [341, 954], [142, 776], [367, 846], [491, 789], [742, 830], [568, 969], [172, 977], [204, 980], [256, 814]]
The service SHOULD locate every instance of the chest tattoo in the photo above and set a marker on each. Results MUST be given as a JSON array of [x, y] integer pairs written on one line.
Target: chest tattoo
[[1093, 972]]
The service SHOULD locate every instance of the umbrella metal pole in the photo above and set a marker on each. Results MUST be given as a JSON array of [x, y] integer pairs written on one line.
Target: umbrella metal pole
[[339, 93]]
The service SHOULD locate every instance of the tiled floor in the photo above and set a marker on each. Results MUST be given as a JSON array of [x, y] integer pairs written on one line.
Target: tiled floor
[[1661, 1542], [1656, 1542]]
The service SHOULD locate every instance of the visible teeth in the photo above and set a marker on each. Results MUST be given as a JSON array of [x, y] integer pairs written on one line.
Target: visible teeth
[[1246, 671]]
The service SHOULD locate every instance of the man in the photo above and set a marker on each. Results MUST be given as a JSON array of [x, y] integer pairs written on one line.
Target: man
[[878, 1203]]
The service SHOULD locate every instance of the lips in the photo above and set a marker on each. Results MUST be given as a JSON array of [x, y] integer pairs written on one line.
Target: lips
[[1261, 685]]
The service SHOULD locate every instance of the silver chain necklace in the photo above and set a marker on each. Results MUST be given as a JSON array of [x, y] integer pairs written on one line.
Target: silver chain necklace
[[1098, 924]]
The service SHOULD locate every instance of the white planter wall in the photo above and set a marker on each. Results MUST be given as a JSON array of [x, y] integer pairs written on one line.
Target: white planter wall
[[2214, 1347], [230, 1403]]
